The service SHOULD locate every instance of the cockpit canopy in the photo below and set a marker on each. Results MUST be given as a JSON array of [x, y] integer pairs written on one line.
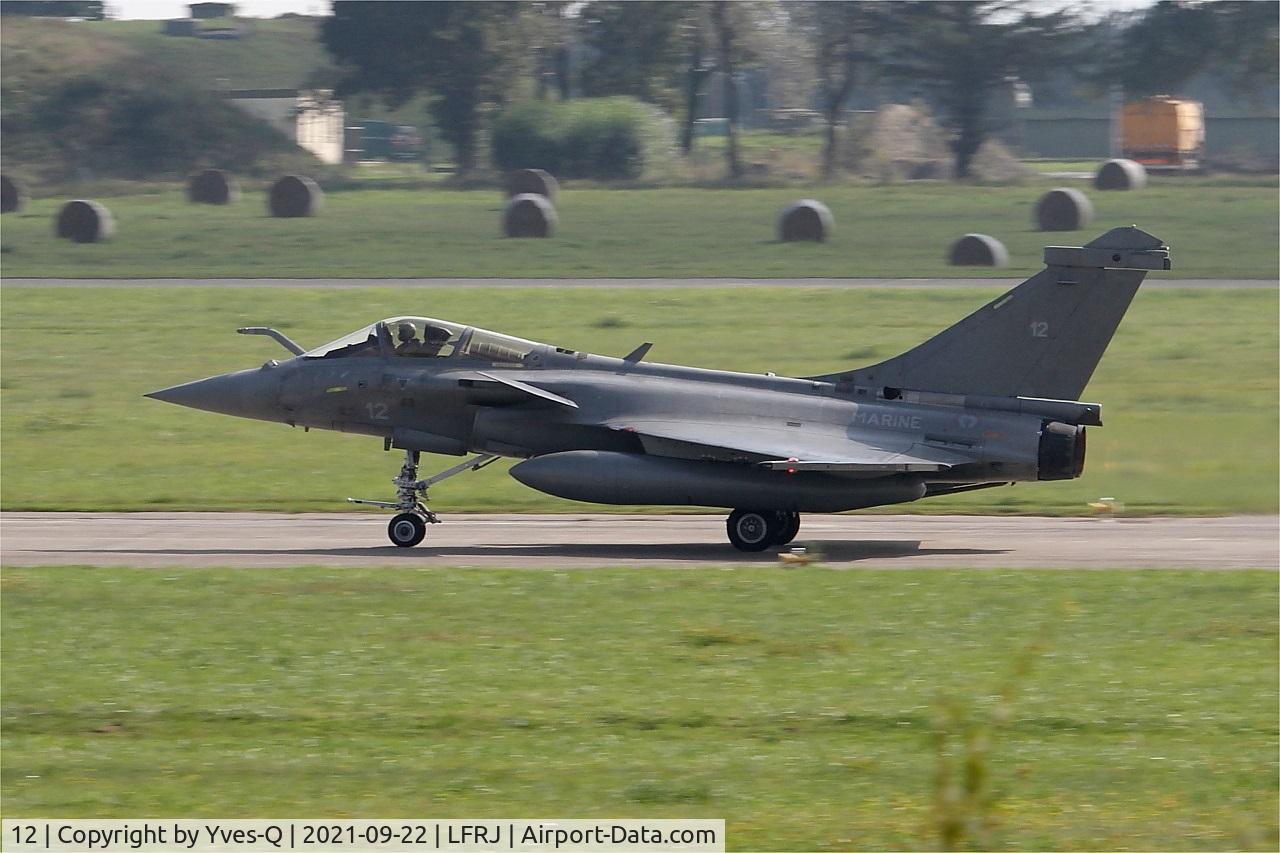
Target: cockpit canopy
[[423, 337]]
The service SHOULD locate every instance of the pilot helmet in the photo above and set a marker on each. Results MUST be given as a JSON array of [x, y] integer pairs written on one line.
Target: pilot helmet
[[406, 332], [435, 335]]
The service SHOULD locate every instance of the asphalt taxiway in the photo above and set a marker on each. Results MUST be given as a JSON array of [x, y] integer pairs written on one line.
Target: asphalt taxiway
[[268, 540], [608, 283]]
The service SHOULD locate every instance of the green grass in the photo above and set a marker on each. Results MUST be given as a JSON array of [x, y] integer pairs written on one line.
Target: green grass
[[1189, 388], [278, 53], [766, 145], [1088, 166], [1215, 231], [801, 706]]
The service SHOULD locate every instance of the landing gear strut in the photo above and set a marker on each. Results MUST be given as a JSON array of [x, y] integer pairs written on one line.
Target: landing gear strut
[[409, 526], [756, 530]]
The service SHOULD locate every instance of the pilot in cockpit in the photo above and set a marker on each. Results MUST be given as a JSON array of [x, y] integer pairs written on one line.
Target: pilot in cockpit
[[433, 339], [407, 336]]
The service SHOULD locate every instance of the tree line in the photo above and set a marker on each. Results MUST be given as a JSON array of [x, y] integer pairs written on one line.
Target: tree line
[[471, 59]]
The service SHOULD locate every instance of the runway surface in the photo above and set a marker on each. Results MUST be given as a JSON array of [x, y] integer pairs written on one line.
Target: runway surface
[[606, 283], [267, 540]]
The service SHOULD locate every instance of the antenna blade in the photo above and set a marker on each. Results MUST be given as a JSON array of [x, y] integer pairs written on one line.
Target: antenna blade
[[638, 353]]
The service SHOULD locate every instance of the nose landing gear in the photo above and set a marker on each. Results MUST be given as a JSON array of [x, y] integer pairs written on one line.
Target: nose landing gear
[[409, 526]]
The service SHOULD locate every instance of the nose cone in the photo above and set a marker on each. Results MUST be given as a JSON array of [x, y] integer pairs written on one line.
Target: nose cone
[[246, 394]]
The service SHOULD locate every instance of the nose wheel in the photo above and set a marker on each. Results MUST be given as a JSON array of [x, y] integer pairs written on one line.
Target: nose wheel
[[407, 529], [409, 526]]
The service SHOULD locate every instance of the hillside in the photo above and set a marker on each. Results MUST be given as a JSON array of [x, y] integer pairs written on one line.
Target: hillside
[[70, 90], [81, 101], [280, 52]]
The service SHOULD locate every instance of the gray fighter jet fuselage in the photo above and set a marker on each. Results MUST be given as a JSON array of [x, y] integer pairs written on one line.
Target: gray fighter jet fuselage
[[989, 401]]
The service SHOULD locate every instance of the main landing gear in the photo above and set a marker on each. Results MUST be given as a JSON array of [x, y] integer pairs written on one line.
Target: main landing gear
[[756, 530], [409, 526]]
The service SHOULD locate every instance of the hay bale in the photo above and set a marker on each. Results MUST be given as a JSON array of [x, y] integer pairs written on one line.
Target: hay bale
[[212, 186], [529, 215], [84, 222], [534, 181], [897, 142], [295, 195], [1120, 175], [1063, 209], [13, 196], [978, 250], [993, 163], [805, 219]]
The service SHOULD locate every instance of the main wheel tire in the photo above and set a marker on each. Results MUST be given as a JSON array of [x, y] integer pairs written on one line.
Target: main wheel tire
[[752, 530], [406, 529], [788, 527]]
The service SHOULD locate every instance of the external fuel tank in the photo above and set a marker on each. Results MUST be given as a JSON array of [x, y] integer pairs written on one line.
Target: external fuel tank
[[609, 477]]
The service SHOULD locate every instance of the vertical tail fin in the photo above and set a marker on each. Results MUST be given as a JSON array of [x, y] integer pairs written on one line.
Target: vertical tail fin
[[1043, 338]]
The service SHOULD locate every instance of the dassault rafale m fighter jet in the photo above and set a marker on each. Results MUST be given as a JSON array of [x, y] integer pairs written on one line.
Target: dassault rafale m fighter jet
[[992, 400]]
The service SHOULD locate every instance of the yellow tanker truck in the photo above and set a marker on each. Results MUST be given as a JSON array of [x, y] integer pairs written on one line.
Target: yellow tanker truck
[[1163, 132]]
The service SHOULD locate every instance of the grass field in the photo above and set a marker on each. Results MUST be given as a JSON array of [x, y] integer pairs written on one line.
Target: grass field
[[1189, 389], [1215, 230], [809, 708], [278, 53]]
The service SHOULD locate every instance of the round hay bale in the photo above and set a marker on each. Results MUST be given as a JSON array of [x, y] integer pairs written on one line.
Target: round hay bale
[[534, 181], [213, 186], [896, 142], [295, 195], [993, 163], [1120, 175], [805, 219], [1063, 209], [978, 250], [529, 215], [84, 222], [12, 195]]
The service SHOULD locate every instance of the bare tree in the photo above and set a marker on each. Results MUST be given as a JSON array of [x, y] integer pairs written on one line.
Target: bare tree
[[548, 25], [698, 68], [726, 40], [837, 30], [962, 52]]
